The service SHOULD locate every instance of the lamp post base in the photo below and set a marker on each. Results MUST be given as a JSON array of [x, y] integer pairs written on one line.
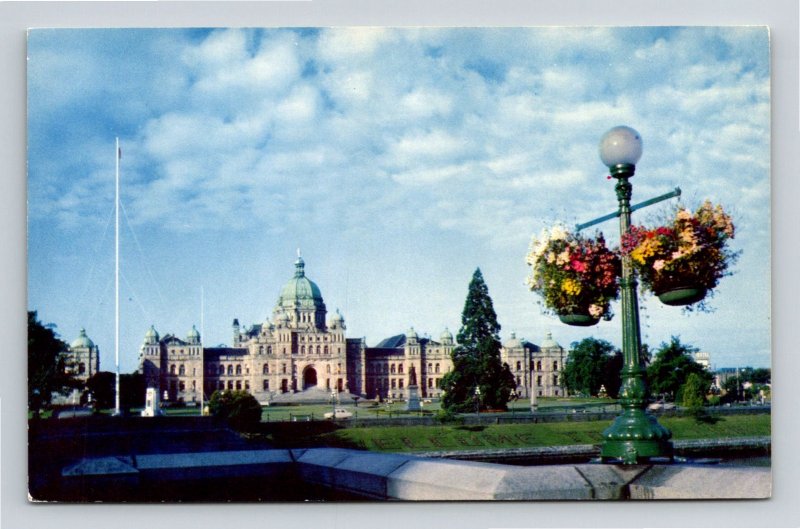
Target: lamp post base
[[636, 437]]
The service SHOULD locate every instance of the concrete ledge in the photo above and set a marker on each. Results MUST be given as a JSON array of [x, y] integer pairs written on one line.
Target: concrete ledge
[[330, 473], [672, 482], [214, 465]]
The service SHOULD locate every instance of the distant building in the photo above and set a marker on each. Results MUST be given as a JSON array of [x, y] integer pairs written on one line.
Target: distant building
[[703, 358], [83, 358], [300, 352]]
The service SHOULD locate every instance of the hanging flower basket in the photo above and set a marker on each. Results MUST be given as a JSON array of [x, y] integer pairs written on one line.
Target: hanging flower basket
[[683, 260], [579, 320], [576, 276], [681, 296]]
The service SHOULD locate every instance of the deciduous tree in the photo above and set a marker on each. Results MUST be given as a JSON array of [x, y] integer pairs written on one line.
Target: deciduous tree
[[592, 363], [48, 369], [670, 369]]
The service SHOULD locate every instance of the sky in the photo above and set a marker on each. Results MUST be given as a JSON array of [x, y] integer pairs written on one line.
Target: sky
[[397, 160]]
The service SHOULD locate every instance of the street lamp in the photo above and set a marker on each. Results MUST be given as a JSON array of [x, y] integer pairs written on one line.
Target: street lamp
[[333, 402], [513, 396], [477, 399], [635, 435]]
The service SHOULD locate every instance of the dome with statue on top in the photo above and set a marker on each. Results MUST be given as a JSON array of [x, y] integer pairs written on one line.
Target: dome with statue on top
[[300, 291], [82, 341]]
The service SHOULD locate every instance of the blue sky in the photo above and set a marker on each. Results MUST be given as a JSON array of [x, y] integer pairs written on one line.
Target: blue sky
[[398, 160]]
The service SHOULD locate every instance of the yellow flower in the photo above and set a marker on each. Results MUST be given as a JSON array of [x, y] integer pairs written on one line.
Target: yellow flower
[[571, 287]]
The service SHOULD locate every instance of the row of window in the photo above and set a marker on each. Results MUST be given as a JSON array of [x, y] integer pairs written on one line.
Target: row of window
[[539, 380], [398, 383], [397, 369], [538, 365], [311, 350], [181, 370]]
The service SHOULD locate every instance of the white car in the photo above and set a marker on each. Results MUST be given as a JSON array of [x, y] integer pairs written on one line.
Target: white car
[[341, 413]]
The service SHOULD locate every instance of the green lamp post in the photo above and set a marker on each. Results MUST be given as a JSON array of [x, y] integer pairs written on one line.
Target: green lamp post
[[635, 436]]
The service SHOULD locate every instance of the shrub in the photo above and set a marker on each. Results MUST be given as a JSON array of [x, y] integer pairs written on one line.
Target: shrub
[[239, 408]]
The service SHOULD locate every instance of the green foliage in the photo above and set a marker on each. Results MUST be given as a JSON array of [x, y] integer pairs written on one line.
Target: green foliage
[[239, 408], [47, 364], [693, 397], [670, 369], [131, 390], [446, 416], [476, 358], [592, 363]]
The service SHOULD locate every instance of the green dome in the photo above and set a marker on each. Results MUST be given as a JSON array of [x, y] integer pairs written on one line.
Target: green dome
[[193, 336], [446, 336], [513, 342], [548, 342], [151, 336], [300, 292], [82, 341]]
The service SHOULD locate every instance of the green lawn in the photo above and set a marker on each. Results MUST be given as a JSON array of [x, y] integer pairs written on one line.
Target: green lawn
[[432, 438]]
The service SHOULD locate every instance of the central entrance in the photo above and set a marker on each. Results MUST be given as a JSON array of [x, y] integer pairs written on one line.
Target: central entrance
[[309, 377]]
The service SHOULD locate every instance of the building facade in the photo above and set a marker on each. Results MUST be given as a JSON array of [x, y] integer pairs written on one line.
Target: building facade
[[83, 357], [299, 350]]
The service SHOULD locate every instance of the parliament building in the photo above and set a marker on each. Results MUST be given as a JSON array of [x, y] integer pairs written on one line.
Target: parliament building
[[301, 353]]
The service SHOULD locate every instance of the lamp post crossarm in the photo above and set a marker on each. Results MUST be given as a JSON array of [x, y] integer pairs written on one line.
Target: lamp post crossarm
[[674, 193]]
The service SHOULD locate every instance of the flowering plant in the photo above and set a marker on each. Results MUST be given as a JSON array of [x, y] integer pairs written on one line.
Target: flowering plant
[[573, 274], [690, 250]]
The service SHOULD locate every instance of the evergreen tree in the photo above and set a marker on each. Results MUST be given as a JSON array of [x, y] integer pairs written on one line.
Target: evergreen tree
[[476, 358]]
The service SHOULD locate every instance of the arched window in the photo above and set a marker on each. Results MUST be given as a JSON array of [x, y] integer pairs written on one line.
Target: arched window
[[247, 385], [230, 369], [538, 365], [519, 366], [221, 369], [555, 380], [266, 385], [326, 349], [261, 349], [181, 370], [238, 384], [555, 365], [265, 370], [393, 369], [539, 381], [269, 349], [238, 369], [302, 349], [400, 369], [172, 369], [318, 349], [230, 385], [437, 368], [430, 368]]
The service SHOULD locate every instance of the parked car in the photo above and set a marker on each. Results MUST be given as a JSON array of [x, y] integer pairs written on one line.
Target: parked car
[[341, 413], [661, 405]]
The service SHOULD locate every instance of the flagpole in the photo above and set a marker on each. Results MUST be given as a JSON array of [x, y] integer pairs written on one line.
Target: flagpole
[[202, 337], [116, 284]]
